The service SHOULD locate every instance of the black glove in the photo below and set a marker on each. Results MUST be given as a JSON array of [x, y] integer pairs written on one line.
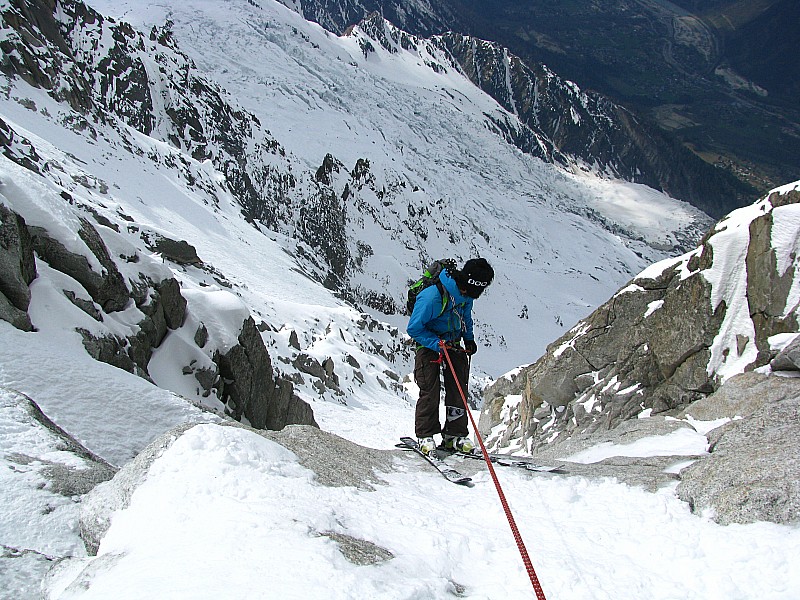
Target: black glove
[[470, 347]]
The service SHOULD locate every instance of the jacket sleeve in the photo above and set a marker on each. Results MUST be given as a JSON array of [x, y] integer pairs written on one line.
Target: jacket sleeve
[[426, 308]]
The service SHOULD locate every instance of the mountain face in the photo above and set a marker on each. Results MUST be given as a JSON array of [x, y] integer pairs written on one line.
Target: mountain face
[[359, 192], [597, 132], [582, 127], [422, 17], [668, 339], [681, 67], [125, 304], [693, 68], [757, 42], [209, 212]]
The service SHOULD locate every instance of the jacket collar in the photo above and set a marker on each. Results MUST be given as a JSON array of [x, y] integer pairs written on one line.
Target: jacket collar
[[452, 288]]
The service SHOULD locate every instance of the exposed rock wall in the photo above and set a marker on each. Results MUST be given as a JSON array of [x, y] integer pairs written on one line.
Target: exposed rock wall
[[17, 269], [753, 471], [252, 391], [672, 336], [242, 377], [681, 340]]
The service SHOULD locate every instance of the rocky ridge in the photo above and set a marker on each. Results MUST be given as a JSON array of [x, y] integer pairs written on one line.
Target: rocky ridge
[[109, 288], [557, 120], [667, 343]]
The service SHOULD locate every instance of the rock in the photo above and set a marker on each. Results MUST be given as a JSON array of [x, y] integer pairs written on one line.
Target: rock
[[179, 252], [87, 306], [357, 551], [13, 315], [108, 289], [201, 336], [105, 499], [64, 467], [788, 359], [164, 308], [253, 391], [741, 396], [336, 462], [17, 269], [17, 264], [667, 339], [753, 472], [173, 304], [294, 342], [310, 365]]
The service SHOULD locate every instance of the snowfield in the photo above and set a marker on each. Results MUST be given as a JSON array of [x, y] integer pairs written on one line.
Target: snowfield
[[226, 513]]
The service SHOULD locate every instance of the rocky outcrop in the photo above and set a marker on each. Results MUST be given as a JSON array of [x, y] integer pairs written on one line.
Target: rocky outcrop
[[787, 359], [753, 470], [343, 463], [46, 470], [250, 390], [160, 302], [243, 377], [671, 337], [17, 269], [107, 288]]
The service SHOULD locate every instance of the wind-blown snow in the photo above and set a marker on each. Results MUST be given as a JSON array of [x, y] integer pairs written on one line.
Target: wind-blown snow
[[225, 513]]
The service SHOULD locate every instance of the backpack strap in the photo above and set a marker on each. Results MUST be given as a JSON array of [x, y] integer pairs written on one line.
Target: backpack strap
[[444, 294]]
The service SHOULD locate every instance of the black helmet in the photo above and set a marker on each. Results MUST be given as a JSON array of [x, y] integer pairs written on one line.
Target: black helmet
[[474, 277]]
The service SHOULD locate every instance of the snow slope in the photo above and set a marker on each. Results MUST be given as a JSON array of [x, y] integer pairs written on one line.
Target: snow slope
[[225, 513], [426, 136], [545, 230]]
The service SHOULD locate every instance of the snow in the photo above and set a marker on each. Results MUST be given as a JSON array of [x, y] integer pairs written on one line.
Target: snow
[[683, 442], [787, 244], [225, 513], [653, 307]]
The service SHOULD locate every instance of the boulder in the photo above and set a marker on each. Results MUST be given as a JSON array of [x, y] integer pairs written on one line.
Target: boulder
[[753, 472], [108, 289], [179, 252], [787, 359]]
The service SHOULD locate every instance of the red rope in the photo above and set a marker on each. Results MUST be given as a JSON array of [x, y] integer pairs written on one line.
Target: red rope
[[517, 537]]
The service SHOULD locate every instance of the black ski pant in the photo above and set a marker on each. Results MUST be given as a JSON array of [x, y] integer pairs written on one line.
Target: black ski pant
[[427, 374]]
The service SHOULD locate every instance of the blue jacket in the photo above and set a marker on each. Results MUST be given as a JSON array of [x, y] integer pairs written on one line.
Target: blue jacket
[[426, 326]]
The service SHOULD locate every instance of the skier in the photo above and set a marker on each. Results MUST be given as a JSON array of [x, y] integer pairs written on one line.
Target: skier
[[448, 317]]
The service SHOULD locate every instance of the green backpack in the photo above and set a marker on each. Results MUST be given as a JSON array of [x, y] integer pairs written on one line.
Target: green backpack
[[431, 277]]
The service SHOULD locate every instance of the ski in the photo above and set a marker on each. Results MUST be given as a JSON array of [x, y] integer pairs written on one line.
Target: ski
[[446, 470], [505, 460]]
